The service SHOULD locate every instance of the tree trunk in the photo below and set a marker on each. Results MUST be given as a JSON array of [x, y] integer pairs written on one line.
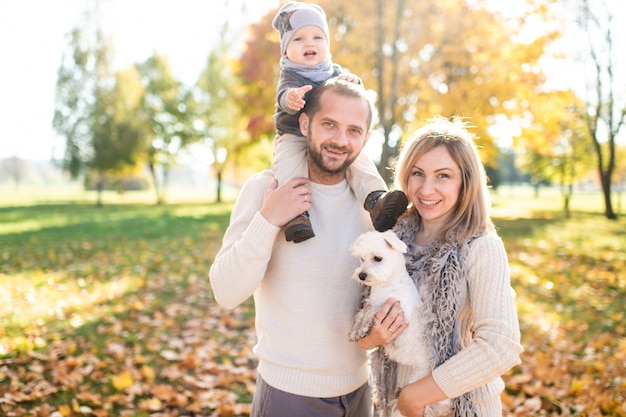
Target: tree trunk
[[387, 97], [218, 197], [99, 188], [605, 107], [166, 178], [605, 179], [567, 197], [380, 64], [155, 181]]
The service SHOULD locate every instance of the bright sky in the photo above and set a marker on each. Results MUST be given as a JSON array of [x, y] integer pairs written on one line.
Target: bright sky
[[32, 40]]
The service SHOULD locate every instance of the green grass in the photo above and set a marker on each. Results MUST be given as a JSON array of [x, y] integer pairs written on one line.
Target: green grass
[[117, 290], [53, 241], [66, 257], [525, 201], [73, 192], [109, 309]]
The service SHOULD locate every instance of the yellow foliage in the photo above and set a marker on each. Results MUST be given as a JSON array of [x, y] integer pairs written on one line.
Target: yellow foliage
[[181, 354], [151, 404], [122, 381], [65, 410], [148, 373]]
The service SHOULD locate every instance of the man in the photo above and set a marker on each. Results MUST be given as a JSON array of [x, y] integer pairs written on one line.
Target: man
[[304, 297]]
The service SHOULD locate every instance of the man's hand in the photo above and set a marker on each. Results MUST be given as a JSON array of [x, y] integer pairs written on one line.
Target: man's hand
[[351, 78], [281, 204]]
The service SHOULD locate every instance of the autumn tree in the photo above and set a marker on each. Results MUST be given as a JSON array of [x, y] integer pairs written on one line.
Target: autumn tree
[[85, 106], [169, 111], [128, 130], [258, 71], [422, 58], [606, 110], [217, 108], [234, 122], [554, 146], [13, 167], [73, 106], [431, 57], [620, 174]]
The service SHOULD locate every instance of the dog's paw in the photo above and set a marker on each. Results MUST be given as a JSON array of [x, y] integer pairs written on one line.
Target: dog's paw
[[357, 333], [361, 325]]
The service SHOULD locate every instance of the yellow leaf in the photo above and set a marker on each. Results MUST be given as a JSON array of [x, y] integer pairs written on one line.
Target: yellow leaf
[[148, 373], [75, 405], [65, 410], [225, 410], [599, 365], [152, 404], [122, 381], [164, 392], [579, 385]]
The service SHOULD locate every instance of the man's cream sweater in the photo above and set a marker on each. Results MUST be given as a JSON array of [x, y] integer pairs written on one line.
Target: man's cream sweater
[[305, 298]]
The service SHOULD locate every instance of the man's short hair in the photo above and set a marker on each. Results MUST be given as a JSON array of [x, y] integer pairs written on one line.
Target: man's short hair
[[342, 88]]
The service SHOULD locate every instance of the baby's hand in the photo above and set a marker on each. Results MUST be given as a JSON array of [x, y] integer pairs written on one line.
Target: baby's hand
[[351, 78], [295, 97]]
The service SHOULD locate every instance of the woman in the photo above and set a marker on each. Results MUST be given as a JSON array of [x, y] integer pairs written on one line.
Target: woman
[[460, 267]]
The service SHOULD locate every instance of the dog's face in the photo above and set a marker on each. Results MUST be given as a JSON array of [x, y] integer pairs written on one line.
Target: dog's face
[[381, 257]]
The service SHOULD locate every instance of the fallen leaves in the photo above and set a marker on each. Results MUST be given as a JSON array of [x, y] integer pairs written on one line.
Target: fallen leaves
[[570, 299], [179, 370], [126, 327], [119, 321], [122, 381]]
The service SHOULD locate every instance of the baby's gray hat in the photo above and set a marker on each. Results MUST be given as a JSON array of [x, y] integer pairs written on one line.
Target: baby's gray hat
[[294, 15]]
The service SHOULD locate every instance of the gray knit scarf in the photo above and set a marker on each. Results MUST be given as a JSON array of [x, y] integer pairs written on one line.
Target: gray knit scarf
[[318, 73], [438, 270]]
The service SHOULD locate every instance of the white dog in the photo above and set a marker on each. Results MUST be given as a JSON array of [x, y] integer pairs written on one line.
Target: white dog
[[383, 270]]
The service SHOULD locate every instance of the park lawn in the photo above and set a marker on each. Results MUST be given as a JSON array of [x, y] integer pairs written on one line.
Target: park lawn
[[108, 312]]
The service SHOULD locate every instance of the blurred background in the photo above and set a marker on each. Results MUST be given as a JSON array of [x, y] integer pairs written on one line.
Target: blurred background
[[175, 100], [128, 126]]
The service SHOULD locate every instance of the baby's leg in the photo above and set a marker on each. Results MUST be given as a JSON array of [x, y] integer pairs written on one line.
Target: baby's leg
[[368, 186], [290, 162], [290, 158], [364, 178]]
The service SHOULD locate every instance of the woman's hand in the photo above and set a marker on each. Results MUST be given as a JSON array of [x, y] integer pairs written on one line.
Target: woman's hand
[[415, 396], [388, 324], [411, 412], [406, 403]]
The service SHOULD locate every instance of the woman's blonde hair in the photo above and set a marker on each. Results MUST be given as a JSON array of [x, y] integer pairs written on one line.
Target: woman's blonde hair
[[470, 217]]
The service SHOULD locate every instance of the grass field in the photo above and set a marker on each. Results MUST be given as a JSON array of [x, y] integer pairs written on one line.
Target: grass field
[[108, 312]]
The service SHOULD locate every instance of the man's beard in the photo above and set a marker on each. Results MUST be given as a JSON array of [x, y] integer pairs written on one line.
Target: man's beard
[[318, 160]]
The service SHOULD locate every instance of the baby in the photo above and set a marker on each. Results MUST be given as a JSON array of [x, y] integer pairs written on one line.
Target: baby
[[306, 63]]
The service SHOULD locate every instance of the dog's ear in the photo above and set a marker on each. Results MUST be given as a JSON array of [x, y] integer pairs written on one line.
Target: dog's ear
[[394, 241]]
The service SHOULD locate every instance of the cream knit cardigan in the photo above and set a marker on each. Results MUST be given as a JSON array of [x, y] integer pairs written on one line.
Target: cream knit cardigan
[[486, 305], [305, 298]]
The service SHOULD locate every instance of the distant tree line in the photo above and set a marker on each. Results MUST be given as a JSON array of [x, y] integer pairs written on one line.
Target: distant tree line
[[421, 57]]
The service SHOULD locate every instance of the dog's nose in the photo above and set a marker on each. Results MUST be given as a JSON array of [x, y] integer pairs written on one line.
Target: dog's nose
[[362, 276]]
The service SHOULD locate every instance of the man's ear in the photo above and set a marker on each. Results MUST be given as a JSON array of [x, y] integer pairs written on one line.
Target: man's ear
[[367, 137], [304, 124]]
